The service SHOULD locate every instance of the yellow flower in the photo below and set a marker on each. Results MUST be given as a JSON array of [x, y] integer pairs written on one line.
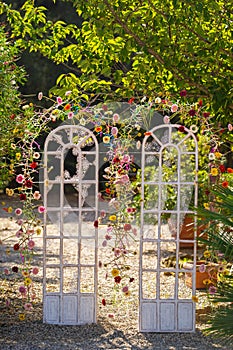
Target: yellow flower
[[38, 230], [195, 298], [13, 146], [10, 209], [206, 254], [25, 273], [112, 217], [214, 171], [206, 282], [9, 192], [22, 317], [27, 281], [218, 155], [106, 139], [18, 156], [115, 272], [127, 294], [206, 206]]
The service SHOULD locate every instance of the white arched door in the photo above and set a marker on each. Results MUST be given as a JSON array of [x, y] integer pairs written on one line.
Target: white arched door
[[70, 238], [169, 192]]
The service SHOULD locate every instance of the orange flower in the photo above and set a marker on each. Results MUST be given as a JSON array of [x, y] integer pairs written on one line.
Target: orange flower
[[147, 133], [67, 107], [230, 170], [98, 128]]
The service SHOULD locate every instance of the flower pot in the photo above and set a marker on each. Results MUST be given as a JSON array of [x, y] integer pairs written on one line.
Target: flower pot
[[209, 274], [187, 232]]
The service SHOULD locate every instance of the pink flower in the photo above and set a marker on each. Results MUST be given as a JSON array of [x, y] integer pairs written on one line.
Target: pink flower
[[31, 244], [125, 289], [18, 211], [174, 108], [110, 315], [104, 244], [20, 178], [116, 117], [36, 195], [35, 270], [20, 222], [166, 119], [126, 158], [122, 180], [19, 233], [70, 115], [212, 289], [134, 230], [28, 306], [59, 100], [22, 290], [68, 92], [202, 268], [230, 127], [108, 237], [127, 227], [6, 271], [41, 209], [114, 131]]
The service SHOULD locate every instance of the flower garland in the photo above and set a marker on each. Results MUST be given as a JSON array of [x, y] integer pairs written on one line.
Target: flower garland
[[122, 187]]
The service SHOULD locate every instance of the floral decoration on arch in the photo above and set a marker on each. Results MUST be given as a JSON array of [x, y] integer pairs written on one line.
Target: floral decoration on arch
[[122, 178]]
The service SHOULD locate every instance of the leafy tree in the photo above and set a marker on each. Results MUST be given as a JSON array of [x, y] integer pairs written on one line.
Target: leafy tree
[[126, 48], [12, 117]]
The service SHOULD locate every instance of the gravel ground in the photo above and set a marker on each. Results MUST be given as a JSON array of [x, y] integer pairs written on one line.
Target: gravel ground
[[119, 332]]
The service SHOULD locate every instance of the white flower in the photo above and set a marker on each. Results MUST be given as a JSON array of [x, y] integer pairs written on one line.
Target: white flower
[[158, 100], [40, 96], [211, 156]]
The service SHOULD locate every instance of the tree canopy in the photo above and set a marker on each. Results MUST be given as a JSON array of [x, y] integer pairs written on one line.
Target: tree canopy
[[123, 48]]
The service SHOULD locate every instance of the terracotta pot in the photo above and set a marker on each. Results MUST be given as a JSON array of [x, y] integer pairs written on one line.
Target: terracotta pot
[[210, 273], [187, 232]]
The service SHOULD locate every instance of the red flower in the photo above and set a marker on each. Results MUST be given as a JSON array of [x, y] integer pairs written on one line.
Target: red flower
[[222, 168], [230, 170], [117, 279], [183, 93], [206, 114], [22, 196], [131, 100], [107, 190], [225, 184], [147, 133], [131, 279], [192, 112], [28, 183], [181, 128], [103, 302], [34, 165], [200, 103], [12, 116], [16, 246], [15, 269], [96, 223]]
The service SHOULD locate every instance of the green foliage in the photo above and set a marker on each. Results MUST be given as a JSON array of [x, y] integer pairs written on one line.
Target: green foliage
[[220, 239], [11, 118], [140, 48]]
